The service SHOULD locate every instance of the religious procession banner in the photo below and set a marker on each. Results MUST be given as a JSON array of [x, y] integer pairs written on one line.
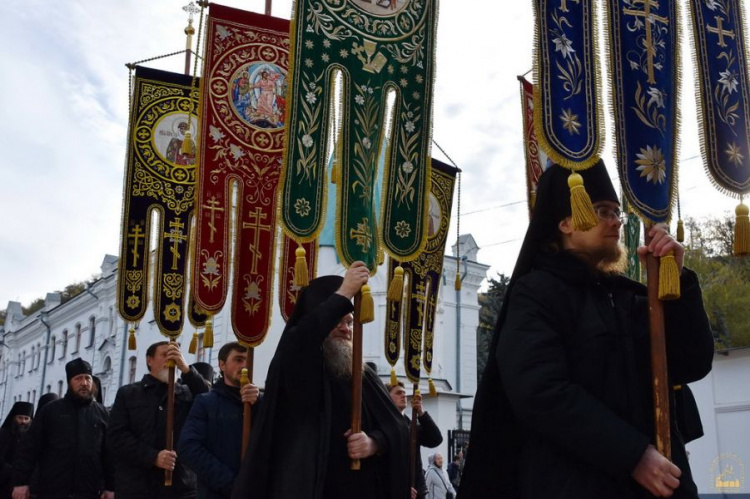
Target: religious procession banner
[[422, 281], [159, 177], [632, 236], [536, 158], [242, 112], [567, 111], [721, 61], [288, 289], [643, 37], [379, 47]]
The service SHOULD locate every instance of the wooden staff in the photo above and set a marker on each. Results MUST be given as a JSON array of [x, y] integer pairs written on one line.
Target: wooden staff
[[660, 378], [170, 417], [268, 7], [413, 442], [247, 377], [357, 373]]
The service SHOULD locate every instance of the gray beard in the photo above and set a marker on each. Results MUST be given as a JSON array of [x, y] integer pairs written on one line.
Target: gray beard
[[337, 354]]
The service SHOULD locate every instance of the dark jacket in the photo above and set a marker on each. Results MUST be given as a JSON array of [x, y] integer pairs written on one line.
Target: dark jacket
[[291, 449], [137, 432], [211, 440], [67, 442], [428, 435], [10, 444], [569, 391]]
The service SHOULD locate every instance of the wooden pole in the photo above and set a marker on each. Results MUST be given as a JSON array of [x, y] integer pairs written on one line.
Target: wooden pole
[[170, 417], [660, 380], [247, 377], [357, 373], [413, 442], [268, 7]]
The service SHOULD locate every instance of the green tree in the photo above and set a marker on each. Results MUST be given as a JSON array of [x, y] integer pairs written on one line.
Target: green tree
[[489, 303]]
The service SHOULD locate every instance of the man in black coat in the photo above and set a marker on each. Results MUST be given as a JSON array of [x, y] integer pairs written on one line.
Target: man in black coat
[[211, 440], [565, 407], [301, 443], [137, 430], [67, 443], [13, 430], [428, 433]]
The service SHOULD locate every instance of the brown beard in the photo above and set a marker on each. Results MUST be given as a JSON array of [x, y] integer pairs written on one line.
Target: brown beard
[[337, 354], [614, 260]]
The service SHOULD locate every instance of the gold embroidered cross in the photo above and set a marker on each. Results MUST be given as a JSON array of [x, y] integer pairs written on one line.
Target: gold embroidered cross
[[136, 235], [720, 31], [564, 4], [361, 235], [648, 18], [176, 237], [420, 296], [212, 205], [256, 224]]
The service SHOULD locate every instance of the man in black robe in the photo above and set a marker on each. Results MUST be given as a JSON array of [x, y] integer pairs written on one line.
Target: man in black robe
[[13, 429], [301, 442], [565, 407]]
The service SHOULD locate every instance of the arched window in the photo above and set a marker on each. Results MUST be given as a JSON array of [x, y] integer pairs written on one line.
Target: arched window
[[38, 356], [19, 372], [107, 364], [23, 366], [33, 358], [59, 388], [51, 348], [64, 349], [28, 396], [77, 339], [92, 331], [133, 364]]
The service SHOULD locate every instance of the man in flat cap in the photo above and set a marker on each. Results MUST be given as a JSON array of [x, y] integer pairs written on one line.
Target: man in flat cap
[[66, 442], [301, 442], [13, 430], [565, 406]]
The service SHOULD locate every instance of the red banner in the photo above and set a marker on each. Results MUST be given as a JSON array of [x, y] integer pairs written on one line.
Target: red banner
[[536, 159], [287, 290]]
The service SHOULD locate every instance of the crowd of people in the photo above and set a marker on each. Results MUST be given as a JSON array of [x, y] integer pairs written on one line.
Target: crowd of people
[[564, 408]]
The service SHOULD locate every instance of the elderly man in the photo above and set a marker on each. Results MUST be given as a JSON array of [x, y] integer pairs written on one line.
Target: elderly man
[[302, 443], [565, 407], [137, 432], [67, 444], [13, 429]]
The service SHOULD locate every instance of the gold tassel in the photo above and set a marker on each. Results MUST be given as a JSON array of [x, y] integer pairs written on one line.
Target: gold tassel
[[741, 230], [188, 146], [457, 284], [669, 278], [208, 334], [367, 306], [244, 378], [680, 231], [433, 390], [131, 339], [396, 289], [581, 210], [394, 379], [300, 268], [193, 343]]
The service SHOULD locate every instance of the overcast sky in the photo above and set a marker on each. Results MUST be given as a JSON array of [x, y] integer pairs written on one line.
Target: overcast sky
[[64, 102]]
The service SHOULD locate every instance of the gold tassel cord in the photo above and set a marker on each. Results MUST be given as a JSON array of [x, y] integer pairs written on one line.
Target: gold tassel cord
[[741, 230], [208, 334], [193, 343], [394, 378], [300, 267], [188, 145], [396, 289], [457, 283], [131, 338], [581, 210], [367, 306], [680, 231], [433, 390], [669, 278]]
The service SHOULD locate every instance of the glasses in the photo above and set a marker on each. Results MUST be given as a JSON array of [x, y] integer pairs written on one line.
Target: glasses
[[608, 214]]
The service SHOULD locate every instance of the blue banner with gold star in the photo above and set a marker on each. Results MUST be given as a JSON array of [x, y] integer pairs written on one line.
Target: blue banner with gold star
[[567, 113], [643, 47], [720, 49]]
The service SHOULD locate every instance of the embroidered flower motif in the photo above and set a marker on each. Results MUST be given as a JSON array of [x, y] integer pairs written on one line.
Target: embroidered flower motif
[[366, 143], [310, 98], [133, 301], [359, 99], [302, 207], [570, 121], [711, 4], [236, 152], [402, 229], [734, 154], [327, 43], [363, 88], [344, 53], [651, 161], [728, 80], [407, 166], [563, 45], [416, 95], [325, 57], [403, 82], [308, 63], [390, 69], [409, 126], [179, 189], [211, 266], [252, 292], [307, 141], [309, 44], [419, 78], [404, 69], [215, 133], [172, 313], [657, 96]]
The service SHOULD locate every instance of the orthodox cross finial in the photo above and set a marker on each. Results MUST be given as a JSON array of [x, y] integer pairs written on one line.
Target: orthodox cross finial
[[191, 9]]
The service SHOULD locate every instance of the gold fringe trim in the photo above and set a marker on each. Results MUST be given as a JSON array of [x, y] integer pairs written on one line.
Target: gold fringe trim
[[741, 230], [433, 390], [582, 211], [669, 278], [396, 289], [193, 343], [131, 338], [680, 231], [301, 277], [394, 379], [367, 306], [208, 334]]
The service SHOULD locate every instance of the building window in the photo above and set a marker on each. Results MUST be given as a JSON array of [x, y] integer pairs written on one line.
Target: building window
[[28, 396], [64, 349], [92, 331], [49, 389], [33, 397], [23, 366], [77, 340], [59, 388], [38, 356], [33, 358], [133, 364], [51, 348], [19, 371]]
